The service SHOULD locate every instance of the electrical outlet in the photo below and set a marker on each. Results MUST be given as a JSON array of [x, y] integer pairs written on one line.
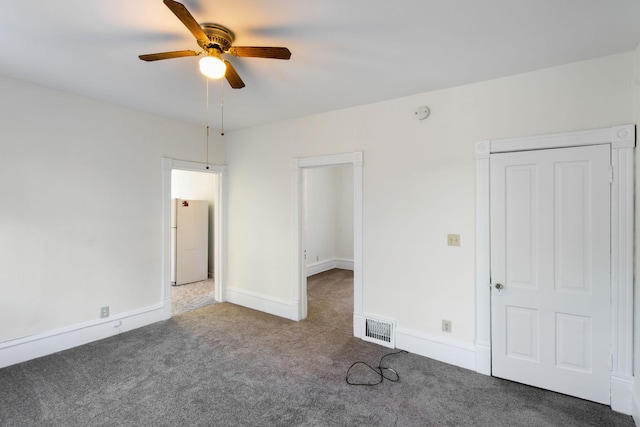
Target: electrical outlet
[[104, 311], [453, 239], [446, 326]]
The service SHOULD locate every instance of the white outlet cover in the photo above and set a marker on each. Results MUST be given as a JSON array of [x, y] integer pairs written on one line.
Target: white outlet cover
[[453, 239]]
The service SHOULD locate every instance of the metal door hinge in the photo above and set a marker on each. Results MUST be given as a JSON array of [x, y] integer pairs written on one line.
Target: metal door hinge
[[611, 174], [611, 362]]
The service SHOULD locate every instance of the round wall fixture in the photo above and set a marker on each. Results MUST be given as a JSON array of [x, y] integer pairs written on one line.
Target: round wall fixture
[[422, 112]]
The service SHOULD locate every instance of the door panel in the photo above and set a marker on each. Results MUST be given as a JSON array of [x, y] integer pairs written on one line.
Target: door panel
[[522, 334], [521, 221], [550, 249], [573, 342], [572, 229]]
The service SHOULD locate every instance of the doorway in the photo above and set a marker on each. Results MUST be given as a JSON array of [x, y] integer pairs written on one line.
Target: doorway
[[328, 218], [620, 142], [191, 180], [299, 262], [328, 236], [193, 199]]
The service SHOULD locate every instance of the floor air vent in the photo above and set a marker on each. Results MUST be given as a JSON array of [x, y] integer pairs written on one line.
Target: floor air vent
[[380, 332]]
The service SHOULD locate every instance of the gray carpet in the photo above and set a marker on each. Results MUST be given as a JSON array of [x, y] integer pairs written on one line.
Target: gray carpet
[[225, 365]]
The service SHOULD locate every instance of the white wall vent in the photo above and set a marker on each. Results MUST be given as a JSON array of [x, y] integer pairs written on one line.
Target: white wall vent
[[380, 331]]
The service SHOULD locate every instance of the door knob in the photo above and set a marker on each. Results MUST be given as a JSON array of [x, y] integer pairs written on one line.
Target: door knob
[[499, 286]]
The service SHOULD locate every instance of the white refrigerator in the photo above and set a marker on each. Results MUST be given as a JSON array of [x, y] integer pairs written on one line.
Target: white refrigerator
[[189, 240]]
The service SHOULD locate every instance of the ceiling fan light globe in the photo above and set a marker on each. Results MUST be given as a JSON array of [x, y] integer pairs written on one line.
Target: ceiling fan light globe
[[212, 67]]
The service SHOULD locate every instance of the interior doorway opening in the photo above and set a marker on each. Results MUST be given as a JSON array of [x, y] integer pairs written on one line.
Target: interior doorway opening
[[328, 218], [193, 202], [205, 185], [328, 234], [300, 265]]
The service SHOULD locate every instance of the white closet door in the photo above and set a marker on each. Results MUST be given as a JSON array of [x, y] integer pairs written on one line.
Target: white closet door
[[550, 254]]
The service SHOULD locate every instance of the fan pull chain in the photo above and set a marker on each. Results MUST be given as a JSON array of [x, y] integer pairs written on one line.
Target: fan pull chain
[[221, 106], [207, 91]]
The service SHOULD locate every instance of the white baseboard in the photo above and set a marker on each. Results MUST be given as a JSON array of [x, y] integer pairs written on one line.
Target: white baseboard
[[320, 267], [34, 346], [276, 306], [444, 349], [167, 308], [483, 358], [635, 406], [330, 264], [358, 325], [344, 264], [622, 394]]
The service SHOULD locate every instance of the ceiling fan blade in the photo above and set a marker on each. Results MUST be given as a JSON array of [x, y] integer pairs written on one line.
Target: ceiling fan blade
[[168, 55], [232, 76], [187, 19], [261, 52]]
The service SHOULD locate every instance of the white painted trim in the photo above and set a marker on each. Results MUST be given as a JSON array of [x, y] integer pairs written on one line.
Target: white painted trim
[[622, 142], [31, 347], [329, 264], [617, 135], [622, 240], [437, 347], [265, 303], [358, 280], [483, 359], [165, 284], [299, 269], [483, 260], [635, 406], [358, 324], [167, 307], [219, 232], [622, 394], [299, 278], [344, 264], [329, 160], [220, 244], [320, 267]]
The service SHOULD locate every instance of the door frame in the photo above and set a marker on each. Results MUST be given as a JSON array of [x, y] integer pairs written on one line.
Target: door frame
[[219, 231], [354, 159], [622, 142]]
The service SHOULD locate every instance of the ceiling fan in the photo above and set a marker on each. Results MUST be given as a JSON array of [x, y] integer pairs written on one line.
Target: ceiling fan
[[215, 40]]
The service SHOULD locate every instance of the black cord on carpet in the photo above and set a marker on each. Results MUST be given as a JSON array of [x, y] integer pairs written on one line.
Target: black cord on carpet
[[379, 370]]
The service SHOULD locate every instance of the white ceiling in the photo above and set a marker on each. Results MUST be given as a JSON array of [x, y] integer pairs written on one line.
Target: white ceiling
[[344, 52]]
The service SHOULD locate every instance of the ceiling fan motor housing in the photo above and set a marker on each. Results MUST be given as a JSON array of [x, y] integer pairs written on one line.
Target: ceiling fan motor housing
[[220, 38]]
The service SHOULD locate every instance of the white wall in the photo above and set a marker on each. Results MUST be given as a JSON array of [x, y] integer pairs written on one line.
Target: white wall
[[80, 213], [198, 186], [328, 214], [343, 190], [418, 183], [319, 215]]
